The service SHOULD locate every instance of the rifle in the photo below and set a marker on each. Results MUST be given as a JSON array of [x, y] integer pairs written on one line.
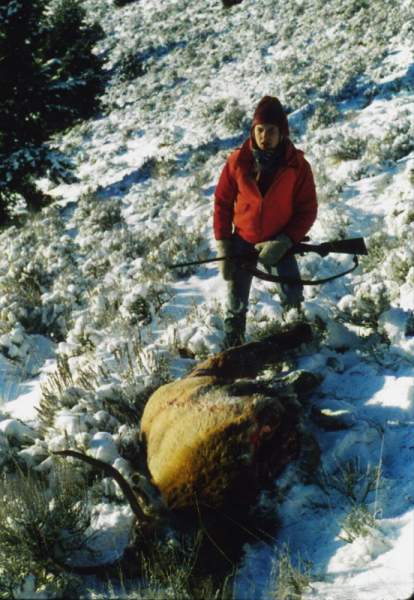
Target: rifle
[[354, 246]]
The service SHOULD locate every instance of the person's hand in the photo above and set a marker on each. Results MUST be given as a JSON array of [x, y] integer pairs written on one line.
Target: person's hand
[[227, 267], [272, 251]]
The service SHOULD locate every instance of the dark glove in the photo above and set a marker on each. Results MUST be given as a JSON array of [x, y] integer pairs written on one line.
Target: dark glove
[[227, 267], [272, 251]]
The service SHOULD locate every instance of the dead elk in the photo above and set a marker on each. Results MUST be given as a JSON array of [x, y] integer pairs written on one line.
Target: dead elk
[[217, 435], [213, 439]]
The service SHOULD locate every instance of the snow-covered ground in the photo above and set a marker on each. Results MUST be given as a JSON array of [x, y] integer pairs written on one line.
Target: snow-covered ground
[[87, 281]]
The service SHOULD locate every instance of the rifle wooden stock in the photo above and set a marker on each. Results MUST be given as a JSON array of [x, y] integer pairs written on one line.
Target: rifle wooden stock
[[355, 246]]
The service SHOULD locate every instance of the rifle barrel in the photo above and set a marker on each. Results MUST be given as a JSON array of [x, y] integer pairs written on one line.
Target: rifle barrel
[[214, 259], [354, 246]]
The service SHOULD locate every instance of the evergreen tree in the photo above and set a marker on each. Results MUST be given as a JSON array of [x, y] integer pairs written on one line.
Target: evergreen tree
[[21, 80], [229, 3], [21, 75], [49, 77], [73, 70]]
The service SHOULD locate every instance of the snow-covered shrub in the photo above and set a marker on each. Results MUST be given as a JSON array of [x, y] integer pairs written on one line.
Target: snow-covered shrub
[[397, 264], [127, 245], [214, 110], [396, 142], [111, 309], [15, 440], [138, 370], [172, 244], [129, 65], [235, 118], [324, 115], [260, 326], [40, 528], [95, 214], [21, 299], [39, 278], [38, 311], [227, 113], [379, 244], [201, 334], [387, 268], [397, 326], [328, 188], [62, 390], [158, 167], [347, 147], [14, 344], [368, 302], [18, 189], [138, 306], [120, 385]]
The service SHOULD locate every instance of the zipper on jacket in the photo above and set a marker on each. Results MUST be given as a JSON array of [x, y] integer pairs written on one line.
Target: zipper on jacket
[[262, 198]]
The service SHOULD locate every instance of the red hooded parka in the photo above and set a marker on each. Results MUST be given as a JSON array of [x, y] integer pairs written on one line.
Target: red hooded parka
[[289, 206]]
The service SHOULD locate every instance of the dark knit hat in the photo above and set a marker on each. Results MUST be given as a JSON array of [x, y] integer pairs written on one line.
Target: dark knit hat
[[269, 110]]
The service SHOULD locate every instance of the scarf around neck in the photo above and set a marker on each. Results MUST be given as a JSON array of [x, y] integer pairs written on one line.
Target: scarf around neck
[[268, 160]]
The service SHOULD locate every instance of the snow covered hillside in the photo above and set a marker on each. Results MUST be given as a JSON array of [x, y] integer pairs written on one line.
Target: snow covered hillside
[[92, 319]]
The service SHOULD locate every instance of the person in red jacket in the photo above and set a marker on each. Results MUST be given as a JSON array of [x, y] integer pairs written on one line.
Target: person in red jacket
[[265, 200]]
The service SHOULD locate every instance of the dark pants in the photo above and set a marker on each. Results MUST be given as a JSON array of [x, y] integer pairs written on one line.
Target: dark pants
[[238, 291]]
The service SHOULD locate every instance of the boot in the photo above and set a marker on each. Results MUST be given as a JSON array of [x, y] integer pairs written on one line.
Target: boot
[[231, 339], [234, 330]]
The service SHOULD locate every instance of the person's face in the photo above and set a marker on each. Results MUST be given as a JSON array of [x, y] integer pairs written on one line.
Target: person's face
[[267, 136]]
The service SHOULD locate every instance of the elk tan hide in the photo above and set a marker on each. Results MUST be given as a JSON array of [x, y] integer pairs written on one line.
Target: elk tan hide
[[212, 437]]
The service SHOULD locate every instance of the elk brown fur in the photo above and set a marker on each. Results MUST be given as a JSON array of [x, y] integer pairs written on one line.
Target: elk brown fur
[[212, 437]]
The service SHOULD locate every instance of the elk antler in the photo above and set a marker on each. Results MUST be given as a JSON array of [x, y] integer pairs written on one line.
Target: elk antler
[[130, 495]]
